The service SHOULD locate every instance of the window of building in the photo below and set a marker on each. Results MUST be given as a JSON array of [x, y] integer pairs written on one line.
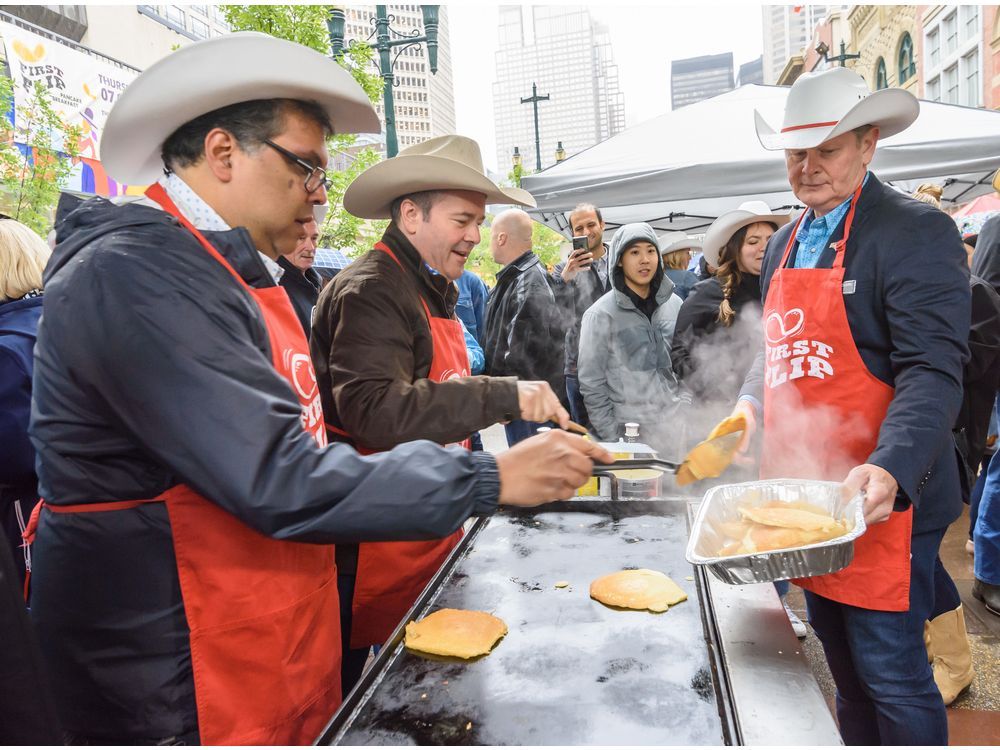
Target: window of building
[[881, 79], [970, 24], [176, 15], [951, 85], [933, 90], [950, 30], [907, 65], [970, 75], [955, 71], [934, 48], [199, 28], [202, 9]]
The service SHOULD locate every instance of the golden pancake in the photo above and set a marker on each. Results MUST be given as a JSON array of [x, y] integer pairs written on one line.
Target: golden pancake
[[708, 459], [789, 518], [765, 538], [728, 425], [637, 589], [455, 632]]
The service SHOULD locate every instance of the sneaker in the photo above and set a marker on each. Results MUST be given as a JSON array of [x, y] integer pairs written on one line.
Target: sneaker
[[798, 627], [970, 547]]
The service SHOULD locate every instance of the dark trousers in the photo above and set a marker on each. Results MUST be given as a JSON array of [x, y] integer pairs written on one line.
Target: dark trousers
[[946, 596], [519, 429], [352, 659], [885, 687], [577, 410]]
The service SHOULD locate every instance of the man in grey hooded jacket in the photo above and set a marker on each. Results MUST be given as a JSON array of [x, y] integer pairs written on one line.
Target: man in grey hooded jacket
[[624, 365]]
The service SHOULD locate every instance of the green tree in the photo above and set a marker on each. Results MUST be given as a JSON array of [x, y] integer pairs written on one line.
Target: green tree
[[306, 25], [31, 181]]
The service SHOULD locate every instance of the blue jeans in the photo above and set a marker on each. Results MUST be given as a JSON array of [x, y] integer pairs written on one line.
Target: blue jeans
[[885, 688], [987, 532], [577, 410], [518, 430]]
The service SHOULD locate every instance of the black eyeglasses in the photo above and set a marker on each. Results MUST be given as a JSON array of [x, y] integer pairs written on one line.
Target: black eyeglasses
[[315, 176]]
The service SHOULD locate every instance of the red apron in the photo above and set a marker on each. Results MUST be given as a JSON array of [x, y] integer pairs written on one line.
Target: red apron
[[822, 414], [391, 575], [263, 614]]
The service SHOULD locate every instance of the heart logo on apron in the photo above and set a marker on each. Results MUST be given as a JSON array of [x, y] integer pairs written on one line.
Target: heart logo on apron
[[779, 327]]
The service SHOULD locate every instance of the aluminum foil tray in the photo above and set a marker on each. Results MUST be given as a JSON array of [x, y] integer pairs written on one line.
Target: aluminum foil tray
[[720, 505]]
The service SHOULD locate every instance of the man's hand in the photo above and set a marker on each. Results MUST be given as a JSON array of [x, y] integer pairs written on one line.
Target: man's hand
[[745, 408], [880, 491], [539, 403], [578, 261], [546, 467]]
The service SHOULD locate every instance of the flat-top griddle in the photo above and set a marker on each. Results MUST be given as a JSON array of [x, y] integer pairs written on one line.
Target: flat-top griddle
[[570, 670]]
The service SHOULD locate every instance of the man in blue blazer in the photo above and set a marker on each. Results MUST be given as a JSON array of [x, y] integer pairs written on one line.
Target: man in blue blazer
[[866, 322]]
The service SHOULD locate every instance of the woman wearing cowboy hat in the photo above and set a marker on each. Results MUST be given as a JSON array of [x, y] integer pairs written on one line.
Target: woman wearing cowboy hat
[[860, 380], [676, 250], [707, 329]]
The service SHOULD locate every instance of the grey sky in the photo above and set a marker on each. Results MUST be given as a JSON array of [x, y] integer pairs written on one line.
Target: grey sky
[[645, 39]]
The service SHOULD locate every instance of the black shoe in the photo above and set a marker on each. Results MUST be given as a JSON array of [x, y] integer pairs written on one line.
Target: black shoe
[[988, 594]]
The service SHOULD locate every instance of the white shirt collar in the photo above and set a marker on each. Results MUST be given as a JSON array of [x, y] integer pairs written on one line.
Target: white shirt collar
[[204, 217]]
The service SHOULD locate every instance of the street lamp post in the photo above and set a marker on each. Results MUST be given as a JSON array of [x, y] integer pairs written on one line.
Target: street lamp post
[[533, 100], [842, 58], [384, 44]]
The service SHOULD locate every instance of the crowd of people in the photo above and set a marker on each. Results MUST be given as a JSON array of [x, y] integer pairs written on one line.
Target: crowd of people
[[246, 471]]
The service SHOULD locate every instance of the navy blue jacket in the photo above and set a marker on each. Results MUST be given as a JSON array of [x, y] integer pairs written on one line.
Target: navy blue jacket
[[153, 367], [909, 314]]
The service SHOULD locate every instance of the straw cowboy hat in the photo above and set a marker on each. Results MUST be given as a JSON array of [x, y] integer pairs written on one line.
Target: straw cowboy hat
[[449, 162], [823, 105], [215, 73], [671, 241], [729, 223]]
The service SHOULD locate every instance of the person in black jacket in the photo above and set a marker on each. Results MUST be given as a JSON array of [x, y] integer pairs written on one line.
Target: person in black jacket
[[717, 328], [23, 255], [986, 536], [524, 333], [866, 327], [299, 280], [578, 283], [172, 382]]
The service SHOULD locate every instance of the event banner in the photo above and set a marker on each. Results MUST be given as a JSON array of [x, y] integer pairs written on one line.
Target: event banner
[[82, 87]]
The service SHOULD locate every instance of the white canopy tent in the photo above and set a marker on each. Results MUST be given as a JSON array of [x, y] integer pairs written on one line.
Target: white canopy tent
[[681, 170]]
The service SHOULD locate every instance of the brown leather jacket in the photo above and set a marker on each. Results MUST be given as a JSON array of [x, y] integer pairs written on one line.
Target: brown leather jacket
[[371, 346]]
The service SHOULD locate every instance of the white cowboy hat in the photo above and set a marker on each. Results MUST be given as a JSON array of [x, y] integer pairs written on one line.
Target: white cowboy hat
[[671, 241], [449, 162], [215, 73], [823, 105], [729, 223]]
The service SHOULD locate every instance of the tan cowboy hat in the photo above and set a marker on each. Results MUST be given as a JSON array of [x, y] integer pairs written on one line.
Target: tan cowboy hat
[[823, 105], [671, 241], [449, 162], [729, 223], [205, 76]]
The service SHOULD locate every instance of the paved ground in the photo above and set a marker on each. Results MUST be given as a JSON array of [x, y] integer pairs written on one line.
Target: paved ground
[[973, 719]]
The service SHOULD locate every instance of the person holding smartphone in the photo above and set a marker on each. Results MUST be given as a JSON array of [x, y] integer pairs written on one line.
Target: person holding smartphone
[[579, 283]]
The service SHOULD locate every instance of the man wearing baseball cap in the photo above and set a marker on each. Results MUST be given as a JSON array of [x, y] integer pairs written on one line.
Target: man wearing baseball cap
[[184, 587], [861, 381]]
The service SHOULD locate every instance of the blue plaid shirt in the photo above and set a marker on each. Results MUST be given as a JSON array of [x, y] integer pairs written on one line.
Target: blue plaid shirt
[[814, 233]]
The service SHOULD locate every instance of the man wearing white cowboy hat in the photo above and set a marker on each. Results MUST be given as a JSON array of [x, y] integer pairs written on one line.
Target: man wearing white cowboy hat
[[866, 322], [184, 585], [391, 361]]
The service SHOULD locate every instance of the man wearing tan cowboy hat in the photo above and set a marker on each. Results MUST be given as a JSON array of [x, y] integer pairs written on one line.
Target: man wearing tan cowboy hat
[[184, 587], [866, 322], [391, 361]]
